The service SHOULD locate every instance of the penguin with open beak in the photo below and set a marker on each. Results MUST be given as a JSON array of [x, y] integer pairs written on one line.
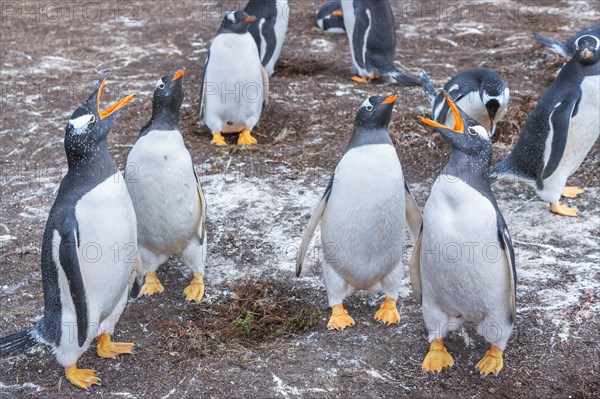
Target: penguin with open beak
[[363, 214], [463, 266], [92, 219]]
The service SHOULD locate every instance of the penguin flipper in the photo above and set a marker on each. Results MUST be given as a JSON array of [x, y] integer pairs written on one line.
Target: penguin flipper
[[69, 260], [560, 119], [266, 91], [414, 218], [312, 226], [428, 86], [202, 207], [509, 255], [269, 25], [414, 269], [555, 45], [202, 98]]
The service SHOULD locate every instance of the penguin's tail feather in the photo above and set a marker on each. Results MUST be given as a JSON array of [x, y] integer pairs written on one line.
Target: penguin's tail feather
[[18, 342], [502, 169], [405, 79], [553, 44], [427, 86]]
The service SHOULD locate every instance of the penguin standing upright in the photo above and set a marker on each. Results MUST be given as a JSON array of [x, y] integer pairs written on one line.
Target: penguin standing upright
[[234, 85], [269, 29], [330, 17], [371, 31], [561, 129], [480, 92], [166, 194], [363, 234], [89, 251], [463, 267], [566, 49]]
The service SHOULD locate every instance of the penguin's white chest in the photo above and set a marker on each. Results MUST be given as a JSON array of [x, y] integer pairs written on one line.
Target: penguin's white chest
[[463, 266], [107, 244], [234, 84], [163, 188], [362, 229]]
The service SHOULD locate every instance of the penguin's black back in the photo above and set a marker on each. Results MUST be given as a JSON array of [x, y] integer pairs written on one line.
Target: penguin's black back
[[83, 176], [266, 9], [381, 42], [527, 157]]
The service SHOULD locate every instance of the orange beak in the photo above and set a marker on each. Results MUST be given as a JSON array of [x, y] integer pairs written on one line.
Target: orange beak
[[337, 13], [391, 99], [179, 74], [459, 125], [113, 108], [249, 19]]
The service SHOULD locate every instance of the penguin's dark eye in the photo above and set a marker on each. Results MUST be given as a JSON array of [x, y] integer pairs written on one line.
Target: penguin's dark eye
[[370, 108], [472, 131], [92, 119], [161, 86]]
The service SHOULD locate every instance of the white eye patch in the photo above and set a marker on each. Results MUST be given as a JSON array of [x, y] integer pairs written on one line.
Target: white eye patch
[[159, 83], [480, 130], [231, 16], [81, 123], [593, 37], [367, 104]]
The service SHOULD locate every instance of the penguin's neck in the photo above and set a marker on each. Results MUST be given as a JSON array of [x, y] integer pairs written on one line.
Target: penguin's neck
[[474, 170], [95, 162], [162, 119], [365, 136]]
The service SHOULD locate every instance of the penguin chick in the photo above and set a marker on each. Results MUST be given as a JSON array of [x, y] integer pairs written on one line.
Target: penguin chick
[[480, 92], [566, 49], [371, 31], [330, 17], [166, 193], [363, 234], [463, 267], [235, 85], [91, 221], [269, 29], [561, 129]]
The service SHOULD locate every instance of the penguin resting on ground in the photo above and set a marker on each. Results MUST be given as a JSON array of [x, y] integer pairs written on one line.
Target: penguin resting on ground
[[85, 283], [363, 234], [561, 129], [166, 194], [463, 267], [480, 92], [269, 29], [330, 17], [234, 83], [371, 31], [566, 49]]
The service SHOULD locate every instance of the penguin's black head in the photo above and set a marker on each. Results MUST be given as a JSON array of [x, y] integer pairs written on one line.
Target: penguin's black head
[[236, 22], [331, 17], [493, 93], [467, 135], [168, 93], [587, 49], [376, 112], [89, 125]]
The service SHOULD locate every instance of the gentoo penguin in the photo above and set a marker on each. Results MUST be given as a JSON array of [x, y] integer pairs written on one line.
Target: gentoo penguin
[[269, 29], [561, 129], [166, 194], [463, 267], [363, 234], [91, 222], [330, 17], [234, 84], [371, 33], [480, 92], [566, 49]]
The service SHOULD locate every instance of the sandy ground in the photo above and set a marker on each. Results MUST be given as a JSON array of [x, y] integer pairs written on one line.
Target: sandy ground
[[260, 200]]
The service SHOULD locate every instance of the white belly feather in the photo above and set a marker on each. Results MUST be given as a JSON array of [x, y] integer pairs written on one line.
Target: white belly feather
[[362, 229], [163, 187], [234, 84]]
